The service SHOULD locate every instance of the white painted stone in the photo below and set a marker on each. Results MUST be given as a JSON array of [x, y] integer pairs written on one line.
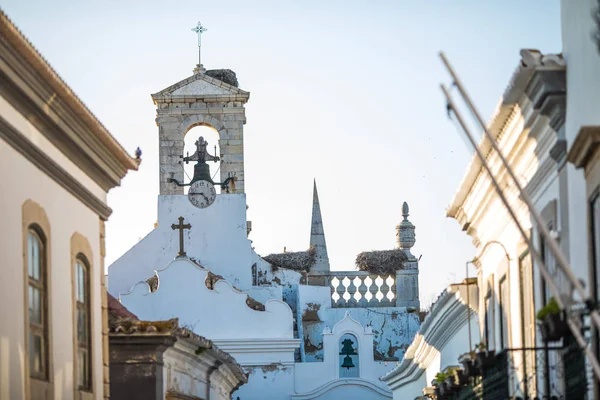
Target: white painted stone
[[321, 380], [217, 240], [221, 313]]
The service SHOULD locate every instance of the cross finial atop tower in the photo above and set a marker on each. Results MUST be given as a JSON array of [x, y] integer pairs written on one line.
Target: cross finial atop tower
[[199, 29]]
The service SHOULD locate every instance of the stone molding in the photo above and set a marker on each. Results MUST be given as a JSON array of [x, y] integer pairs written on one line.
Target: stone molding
[[532, 63], [585, 145], [235, 94], [35, 89], [259, 347], [445, 319], [52, 169], [321, 391]]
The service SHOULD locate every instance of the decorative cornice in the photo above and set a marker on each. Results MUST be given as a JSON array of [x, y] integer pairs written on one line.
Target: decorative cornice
[[31, 84], [331, 385], [541, 175], [585, 144], [532, 63], [165, 95], [162, 330], [558, 152], [445, 319], [48, 166], [257, 345]]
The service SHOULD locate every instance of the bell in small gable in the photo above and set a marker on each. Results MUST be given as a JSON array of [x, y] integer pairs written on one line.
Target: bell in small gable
[[348, 363]]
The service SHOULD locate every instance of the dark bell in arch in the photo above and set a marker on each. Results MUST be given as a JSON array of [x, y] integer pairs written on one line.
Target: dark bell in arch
[[348, 363]]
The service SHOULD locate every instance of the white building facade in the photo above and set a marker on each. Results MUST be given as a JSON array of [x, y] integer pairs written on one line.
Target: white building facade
[[544, 126], [58, 163], [298, 329], [450, 327]]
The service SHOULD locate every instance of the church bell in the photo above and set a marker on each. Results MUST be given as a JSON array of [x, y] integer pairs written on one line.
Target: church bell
[[202, 173], [348, 363]]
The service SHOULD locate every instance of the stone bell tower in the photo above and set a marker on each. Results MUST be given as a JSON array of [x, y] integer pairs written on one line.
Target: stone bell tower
[[207, 98]]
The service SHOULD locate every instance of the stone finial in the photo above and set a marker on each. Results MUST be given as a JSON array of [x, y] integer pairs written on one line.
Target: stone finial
[[405, 213], [199, 69], [405, 232]]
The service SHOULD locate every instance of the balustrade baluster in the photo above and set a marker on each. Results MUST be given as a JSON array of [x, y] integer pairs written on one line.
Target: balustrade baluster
[[352, 290], [385, 289], [346, 296], [335, 296]]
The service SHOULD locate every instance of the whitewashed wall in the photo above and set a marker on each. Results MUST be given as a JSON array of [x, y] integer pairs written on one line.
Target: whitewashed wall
[[221, 313], [20, 181], [583, 65], [393, 327], [583, 102], [321, 380], [217, 240]]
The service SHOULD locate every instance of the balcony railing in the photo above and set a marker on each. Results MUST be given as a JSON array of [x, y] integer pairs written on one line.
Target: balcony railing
[[540, 372]]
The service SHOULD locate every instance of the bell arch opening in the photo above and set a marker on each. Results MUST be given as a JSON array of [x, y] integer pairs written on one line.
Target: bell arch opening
[[348, 357], [210, 135]]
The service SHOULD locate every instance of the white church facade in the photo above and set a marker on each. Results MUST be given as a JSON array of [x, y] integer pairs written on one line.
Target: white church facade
[[299, 330]]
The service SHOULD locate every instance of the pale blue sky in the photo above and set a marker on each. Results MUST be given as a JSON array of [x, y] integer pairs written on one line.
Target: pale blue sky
[[344, 91]]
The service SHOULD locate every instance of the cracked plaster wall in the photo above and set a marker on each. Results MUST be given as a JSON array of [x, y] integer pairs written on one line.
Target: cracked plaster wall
[[393, 327], [270, 382]]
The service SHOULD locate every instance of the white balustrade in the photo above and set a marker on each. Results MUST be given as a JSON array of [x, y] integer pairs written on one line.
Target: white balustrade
[[361, 289]]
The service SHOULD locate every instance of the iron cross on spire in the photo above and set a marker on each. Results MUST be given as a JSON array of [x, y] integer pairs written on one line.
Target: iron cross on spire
[[181, 226], [199, 29]]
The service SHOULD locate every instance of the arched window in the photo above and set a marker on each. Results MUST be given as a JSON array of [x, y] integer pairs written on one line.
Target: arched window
[[37, 299], [211, 136], [82, 299], [348, 360]]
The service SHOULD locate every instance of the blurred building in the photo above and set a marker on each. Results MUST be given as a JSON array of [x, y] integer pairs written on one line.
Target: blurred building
[[547, 126], [57, 164]]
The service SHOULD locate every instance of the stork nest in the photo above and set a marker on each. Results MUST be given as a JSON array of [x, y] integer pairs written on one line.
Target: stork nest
[[297, 261], [383, 262]]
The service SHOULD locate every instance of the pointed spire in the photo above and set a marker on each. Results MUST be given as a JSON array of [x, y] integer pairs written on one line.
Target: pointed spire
[[317, 234]]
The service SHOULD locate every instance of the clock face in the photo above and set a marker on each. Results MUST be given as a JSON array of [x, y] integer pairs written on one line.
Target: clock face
[[202, 194]]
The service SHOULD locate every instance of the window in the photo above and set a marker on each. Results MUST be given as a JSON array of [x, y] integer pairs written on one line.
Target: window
[[527, 322], [595, 224], [595, 234], [504, 307], [348, 360], [489, 326], [37, 301], [82, 298], [550, 263]]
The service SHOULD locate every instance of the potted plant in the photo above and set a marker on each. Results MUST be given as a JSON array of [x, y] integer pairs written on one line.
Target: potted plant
[[552, 325], [484, 358], [468, 362], [440, 381]]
